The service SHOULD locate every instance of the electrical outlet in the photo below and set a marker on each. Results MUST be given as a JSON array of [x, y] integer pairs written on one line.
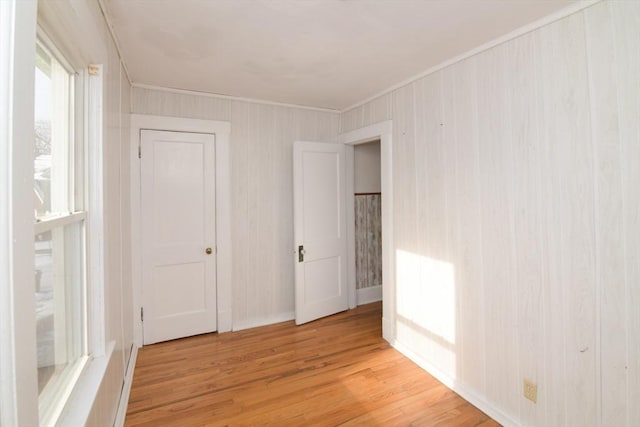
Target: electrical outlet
[[531, 390]]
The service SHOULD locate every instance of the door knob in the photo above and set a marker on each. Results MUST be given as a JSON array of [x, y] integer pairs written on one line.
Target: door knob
[[208, 251]]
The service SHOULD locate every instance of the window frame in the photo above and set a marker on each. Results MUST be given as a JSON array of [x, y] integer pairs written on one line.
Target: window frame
[[85, 203]]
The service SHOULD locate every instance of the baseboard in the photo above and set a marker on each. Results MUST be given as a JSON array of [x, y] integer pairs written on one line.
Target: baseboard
[[263, 321], [224, 321], [387, 330], [455, 385], [371, 294], [126, 389]]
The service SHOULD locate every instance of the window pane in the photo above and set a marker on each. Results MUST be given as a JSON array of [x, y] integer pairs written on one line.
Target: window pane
[[53, 145], [42, 147], [59, 292]]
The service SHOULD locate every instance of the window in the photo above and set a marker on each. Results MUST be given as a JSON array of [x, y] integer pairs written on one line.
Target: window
[[60, 222]]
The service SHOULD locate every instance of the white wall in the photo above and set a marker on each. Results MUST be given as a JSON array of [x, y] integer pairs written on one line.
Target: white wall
[[261, 191], [517, 220], [366, 165]]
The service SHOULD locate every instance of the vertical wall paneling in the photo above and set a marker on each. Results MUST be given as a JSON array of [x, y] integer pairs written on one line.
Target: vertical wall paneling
[[282, 299], [377, 110], [113, 224], [327, 126], [432, 163], [572, 193], [529, 191], [260, 242], [469, 269], [528, 238], [625, 21], [404, 203], [425, 283], [449, 249], [554, 297], [165, 103], [240, 207], [352, 119], [436, 311], [493, 88], [610, 262]]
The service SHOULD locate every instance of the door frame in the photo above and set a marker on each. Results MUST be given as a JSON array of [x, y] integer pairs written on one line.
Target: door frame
[[222, 131], [384, 132]]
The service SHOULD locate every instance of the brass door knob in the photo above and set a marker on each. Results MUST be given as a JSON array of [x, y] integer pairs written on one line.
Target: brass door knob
[[208, 251]]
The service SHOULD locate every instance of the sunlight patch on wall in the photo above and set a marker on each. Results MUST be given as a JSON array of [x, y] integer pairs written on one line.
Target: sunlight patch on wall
[[426, 307], [426, 293]]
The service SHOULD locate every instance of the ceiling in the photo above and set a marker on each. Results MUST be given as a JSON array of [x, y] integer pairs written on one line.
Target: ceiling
[[319, 53]]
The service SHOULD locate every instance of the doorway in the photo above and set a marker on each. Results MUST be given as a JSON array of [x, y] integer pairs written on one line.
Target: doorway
[[383, 132], [368, 222]]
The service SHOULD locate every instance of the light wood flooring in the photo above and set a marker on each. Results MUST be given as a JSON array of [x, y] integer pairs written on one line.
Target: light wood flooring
[[334, 371]]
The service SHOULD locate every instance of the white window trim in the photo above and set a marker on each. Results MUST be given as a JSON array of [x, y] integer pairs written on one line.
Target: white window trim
[[94, 193], [76, 408], [50, 223], [18, 378]]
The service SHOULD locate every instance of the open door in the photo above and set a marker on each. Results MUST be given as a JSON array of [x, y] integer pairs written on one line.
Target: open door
[[320, 229]]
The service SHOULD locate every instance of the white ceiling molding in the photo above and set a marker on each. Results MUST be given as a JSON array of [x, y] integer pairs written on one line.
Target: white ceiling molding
[[114, 37], [232, 98]]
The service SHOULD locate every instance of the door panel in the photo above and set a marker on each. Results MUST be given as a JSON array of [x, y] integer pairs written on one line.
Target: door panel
[[178, 191], [322, 280], [178, 212], [169, 299], [320, 227], [321, 178]]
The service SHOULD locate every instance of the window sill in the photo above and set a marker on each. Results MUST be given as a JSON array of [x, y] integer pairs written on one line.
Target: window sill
[[83, 397], [54, 395]]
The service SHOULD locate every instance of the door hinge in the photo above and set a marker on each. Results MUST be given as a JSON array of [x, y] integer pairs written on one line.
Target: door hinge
[[139, 151], [142, 314]]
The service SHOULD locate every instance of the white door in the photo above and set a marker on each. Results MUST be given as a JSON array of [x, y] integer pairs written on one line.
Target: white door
[[320, 229], [178, 234]]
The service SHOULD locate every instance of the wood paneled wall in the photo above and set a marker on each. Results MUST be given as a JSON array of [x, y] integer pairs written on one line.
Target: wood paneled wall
[[262, 191], [368, 240], [517, 183]]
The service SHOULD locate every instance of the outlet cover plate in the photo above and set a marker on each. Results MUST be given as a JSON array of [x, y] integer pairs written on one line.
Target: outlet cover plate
[[531, 390]]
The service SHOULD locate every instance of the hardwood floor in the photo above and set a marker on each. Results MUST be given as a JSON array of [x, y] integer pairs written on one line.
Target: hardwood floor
[[334, 371]]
